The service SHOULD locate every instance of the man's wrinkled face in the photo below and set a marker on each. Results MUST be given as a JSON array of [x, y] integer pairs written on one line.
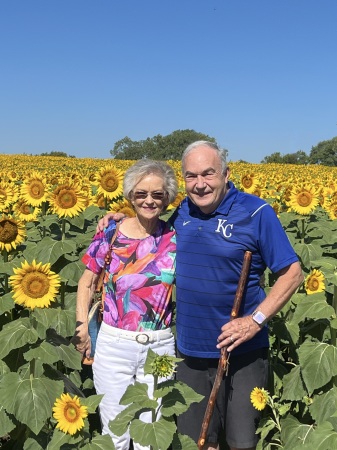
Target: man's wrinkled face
[[206, 185]]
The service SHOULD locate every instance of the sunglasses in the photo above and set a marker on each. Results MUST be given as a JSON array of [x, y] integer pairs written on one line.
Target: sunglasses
[[142, 195]]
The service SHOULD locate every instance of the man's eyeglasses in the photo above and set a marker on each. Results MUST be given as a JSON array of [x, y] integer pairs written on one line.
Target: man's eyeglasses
[[142, 195]]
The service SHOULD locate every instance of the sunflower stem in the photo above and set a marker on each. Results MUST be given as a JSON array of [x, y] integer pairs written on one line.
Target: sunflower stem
[[63, 229], [155, 384], [44, 208], [62, 292], [5, 255], [276, 419], [333, 330], [43, 213], [302, 232], [154, 412]]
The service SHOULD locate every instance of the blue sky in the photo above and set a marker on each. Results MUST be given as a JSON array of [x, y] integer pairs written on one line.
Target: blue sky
[[76, 76]]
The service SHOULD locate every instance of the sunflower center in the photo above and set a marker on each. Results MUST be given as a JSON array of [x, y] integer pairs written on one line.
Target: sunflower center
[[71, 412], [35, 284], [54, 180], [109, 182], [313, 284], [304, 199], [25, 209], [66, 199], [36, 189], [260, 397], [247, 181], [8, 231]]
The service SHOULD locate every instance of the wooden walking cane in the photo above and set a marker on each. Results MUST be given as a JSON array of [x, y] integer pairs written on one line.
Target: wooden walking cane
[[223, 361]]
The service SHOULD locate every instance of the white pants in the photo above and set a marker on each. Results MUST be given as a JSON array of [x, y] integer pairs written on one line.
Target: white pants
[[118, 363]]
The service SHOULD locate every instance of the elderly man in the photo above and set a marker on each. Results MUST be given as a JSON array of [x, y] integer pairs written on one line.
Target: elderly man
[[215, 225]]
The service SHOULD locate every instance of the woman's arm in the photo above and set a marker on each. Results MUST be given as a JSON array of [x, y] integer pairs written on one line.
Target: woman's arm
[[85, 293]]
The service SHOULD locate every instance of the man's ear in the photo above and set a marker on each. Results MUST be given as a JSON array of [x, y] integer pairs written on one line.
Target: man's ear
[[227, 173]]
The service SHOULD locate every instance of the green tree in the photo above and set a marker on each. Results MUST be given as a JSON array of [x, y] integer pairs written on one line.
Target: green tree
[[273, 158], [299, 157], [56, 153], [324, 153], [157, 147]]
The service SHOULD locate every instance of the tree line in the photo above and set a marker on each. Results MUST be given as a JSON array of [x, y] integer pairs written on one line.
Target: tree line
[[172, 146], [324, 153]]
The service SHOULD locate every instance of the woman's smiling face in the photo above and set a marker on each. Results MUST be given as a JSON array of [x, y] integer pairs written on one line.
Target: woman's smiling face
[[149, 197]]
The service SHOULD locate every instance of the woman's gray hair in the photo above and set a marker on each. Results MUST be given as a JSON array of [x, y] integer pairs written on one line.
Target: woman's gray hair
[[222, 152], [145, 167]]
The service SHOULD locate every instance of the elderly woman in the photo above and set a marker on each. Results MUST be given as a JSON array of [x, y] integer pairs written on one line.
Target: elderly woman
[[137, 291]]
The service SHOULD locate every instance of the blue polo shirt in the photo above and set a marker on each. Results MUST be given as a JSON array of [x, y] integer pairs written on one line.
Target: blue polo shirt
[[210, 251]]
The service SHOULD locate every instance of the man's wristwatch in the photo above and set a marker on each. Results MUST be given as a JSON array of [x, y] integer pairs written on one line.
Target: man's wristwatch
[[259, 317]]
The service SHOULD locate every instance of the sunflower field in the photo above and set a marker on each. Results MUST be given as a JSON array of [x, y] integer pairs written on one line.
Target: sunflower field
[[49, 208]]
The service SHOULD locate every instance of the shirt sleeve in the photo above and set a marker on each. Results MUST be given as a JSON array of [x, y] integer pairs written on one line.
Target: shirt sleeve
[[94, 258], [274, 244]]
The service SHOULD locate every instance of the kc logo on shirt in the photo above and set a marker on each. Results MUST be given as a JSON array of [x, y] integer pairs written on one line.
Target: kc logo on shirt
[[224, 229]]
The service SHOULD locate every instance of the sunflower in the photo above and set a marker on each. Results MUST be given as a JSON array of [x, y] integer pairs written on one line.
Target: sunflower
[[69, 414], [34, 285], [99, 200], [91, 177], [67, 200], [249, 182], [7, 195], [314, 282], [123, 206], [74, 176], [109, 181], [332, 210], [54, 180], [303, 199], [333, 197], [176, 202], [12, 175], [163, 366], [259, 191], [34, 189], [26, 212], [12, 233], [259, 398], [277, 207], [286, 194]]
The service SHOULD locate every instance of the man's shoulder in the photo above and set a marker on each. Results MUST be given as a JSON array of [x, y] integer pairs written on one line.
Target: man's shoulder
[[251, 203], [182, 209]]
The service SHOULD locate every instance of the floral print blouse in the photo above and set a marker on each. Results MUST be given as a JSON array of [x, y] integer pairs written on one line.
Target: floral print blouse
[[138, 283]]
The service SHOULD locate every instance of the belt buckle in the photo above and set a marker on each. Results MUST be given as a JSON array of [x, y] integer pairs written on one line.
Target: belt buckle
[[142, 338]]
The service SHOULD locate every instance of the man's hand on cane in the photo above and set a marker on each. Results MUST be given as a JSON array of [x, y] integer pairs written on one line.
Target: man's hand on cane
[[236, 332]]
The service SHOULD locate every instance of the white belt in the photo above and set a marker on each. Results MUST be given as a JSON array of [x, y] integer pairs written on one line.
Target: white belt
[[142, 337]]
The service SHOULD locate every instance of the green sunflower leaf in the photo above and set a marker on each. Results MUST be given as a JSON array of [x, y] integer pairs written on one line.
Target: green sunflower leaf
[[99, 443], [158, 435], [6, 424], [318, 362], [29, 400], [15, 335]]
